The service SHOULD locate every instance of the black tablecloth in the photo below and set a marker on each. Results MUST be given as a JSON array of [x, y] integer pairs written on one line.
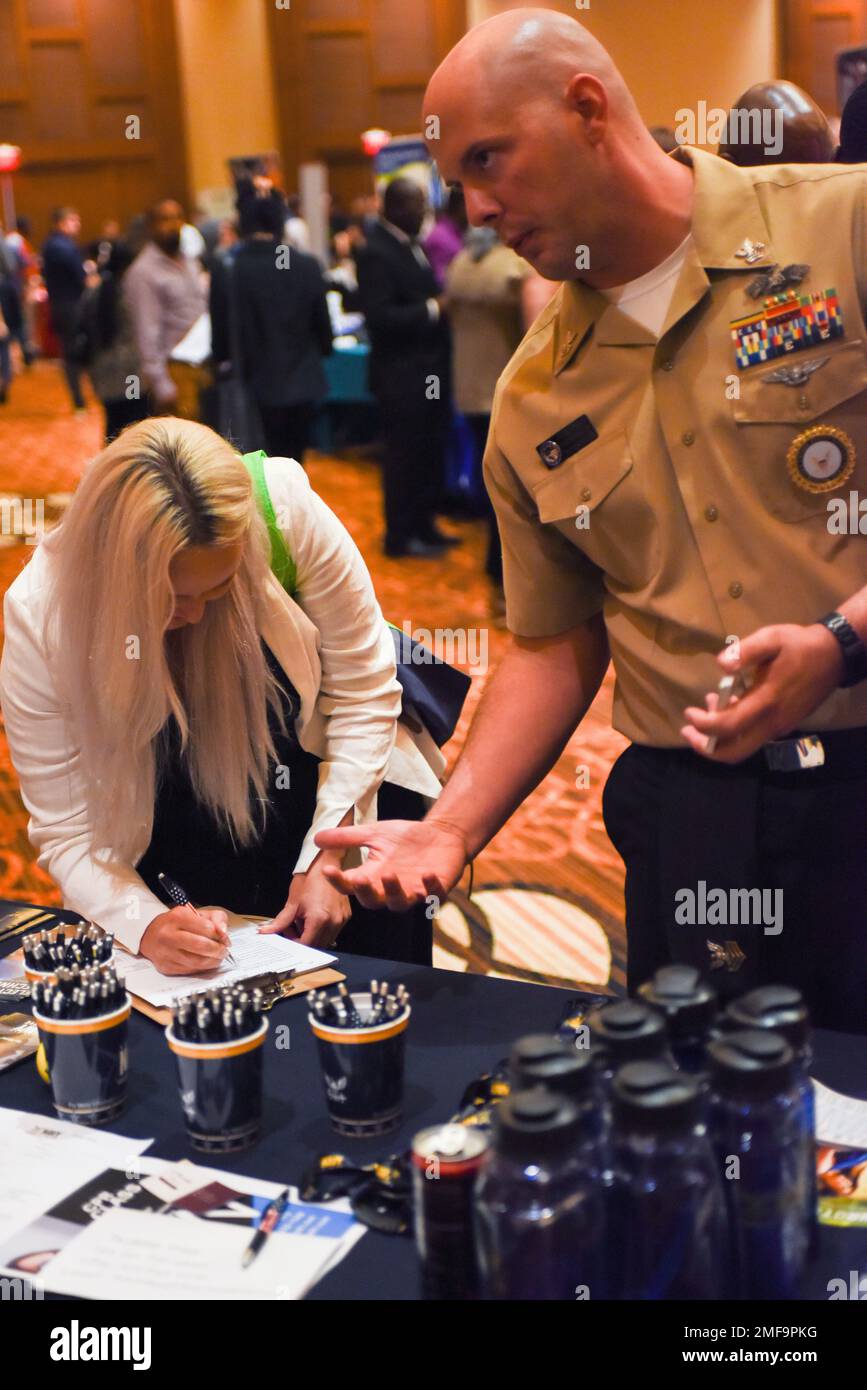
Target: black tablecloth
[[461, 1025]]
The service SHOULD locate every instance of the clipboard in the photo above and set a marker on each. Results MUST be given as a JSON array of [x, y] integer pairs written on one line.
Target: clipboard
[[276, 986], [287, 988]]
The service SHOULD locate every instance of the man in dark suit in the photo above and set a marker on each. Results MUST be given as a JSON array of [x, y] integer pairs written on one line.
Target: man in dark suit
[[409, 370], [65, 274], [269, 316]]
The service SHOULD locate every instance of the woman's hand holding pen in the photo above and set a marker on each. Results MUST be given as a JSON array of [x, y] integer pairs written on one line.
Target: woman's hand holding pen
[[186, 941], [315, 912]]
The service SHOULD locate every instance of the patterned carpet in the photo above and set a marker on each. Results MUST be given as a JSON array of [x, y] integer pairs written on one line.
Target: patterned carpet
[[547, 903]]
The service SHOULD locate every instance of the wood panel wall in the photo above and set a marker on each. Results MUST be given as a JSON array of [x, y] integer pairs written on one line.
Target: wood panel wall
[[341, 66], [814, 31], [71, 72]]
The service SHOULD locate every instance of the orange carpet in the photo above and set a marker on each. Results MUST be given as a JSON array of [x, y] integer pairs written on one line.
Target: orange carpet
[[547, 901]]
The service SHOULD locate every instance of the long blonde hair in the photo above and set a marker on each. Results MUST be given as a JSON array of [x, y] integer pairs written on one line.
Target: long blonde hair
[[159, 487]]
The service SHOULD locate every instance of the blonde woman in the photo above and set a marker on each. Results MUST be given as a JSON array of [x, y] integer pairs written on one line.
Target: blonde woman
[[170, 709]]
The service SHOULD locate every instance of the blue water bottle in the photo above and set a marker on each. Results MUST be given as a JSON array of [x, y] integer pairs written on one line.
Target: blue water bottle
[[755, 1122], [667, 1216], [782, 1009], [540, 1204], [628, 1031], [689, 1005]]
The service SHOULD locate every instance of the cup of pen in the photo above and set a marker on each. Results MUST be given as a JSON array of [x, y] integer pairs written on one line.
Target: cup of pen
[[220, 1086], [40, 948], [87, 1060], [362, 1070]]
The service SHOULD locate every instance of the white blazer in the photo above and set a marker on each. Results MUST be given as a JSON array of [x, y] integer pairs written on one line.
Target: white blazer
[[331, 640]]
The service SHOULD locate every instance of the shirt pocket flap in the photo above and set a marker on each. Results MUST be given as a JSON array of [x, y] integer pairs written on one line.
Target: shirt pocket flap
[[585, 480], [843, 374]]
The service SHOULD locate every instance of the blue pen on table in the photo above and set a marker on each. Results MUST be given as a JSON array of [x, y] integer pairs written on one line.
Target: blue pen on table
[[173, 890], [270, 1219]]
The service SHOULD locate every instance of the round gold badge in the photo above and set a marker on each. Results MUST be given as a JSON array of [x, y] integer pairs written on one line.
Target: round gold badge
[[821, 459]]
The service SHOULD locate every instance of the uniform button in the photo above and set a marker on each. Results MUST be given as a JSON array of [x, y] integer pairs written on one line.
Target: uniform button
[[586, 494], [803, 403], [688, 438], [710, 513], [736, 589], [668, 365]]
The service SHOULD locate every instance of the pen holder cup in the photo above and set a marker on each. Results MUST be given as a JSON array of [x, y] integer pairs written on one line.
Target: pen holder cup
[[34, 975], [362, 1069], [87, 1064], [221, 1090]]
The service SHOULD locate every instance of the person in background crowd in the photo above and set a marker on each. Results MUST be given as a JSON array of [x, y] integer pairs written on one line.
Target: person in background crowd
[[409, 370], [10, 316], [446, 237], [114, 367], [269, 304], [27, 271], [227, 237], [807, 137], [65, 272], [100, 250], [342, 274], [295, 230], [137, 234], [853, 128], [5, 354], [193, 245], [166, 297], [484, 286], [365, 211]]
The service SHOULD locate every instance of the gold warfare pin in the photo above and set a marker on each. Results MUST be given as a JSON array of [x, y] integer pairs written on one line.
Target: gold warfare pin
[[821, 458]]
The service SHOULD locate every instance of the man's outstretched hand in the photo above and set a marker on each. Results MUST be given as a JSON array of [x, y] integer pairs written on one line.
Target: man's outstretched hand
[[408, 861]]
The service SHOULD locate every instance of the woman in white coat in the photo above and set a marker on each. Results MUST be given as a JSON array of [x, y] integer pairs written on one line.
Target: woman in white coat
[[169, 707]]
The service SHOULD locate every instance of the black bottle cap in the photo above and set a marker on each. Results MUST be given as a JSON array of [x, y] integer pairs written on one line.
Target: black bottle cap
[[653, 1097], [535, 1124], [540, 1059], [627, 1031], [750, 1062], [682, 994], [779, 1007]]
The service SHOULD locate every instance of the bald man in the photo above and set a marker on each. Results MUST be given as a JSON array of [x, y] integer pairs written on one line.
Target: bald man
[[806, 134], [664, 447]]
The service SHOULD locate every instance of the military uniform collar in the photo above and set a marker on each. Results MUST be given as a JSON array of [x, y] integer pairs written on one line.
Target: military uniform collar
[[726, 212], [727, 216]]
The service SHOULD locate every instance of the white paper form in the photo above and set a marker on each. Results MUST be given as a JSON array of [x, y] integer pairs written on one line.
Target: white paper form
[[840, 1119], [139, 1255], [254, 954], [45, 1159]]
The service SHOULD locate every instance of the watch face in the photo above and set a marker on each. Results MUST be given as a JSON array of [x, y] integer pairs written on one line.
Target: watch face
[[821, 459]]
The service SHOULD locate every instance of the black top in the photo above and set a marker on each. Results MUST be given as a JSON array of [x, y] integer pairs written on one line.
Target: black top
[[188, 844], [254, 880], [272, 322]]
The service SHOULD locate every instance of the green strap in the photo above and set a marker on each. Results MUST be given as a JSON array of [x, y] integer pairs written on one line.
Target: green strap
[[282, 563]]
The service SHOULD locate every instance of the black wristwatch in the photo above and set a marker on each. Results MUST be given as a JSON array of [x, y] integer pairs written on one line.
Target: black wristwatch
[[853, 649]]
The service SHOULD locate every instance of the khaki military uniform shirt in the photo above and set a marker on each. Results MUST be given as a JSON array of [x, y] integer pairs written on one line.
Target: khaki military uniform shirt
[[676, 515]]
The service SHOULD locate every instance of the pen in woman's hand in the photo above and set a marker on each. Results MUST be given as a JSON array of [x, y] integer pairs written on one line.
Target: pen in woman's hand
[[178, 895]]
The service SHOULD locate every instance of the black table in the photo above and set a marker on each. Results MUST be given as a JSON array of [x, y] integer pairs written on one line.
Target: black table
[[461, 1025]]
